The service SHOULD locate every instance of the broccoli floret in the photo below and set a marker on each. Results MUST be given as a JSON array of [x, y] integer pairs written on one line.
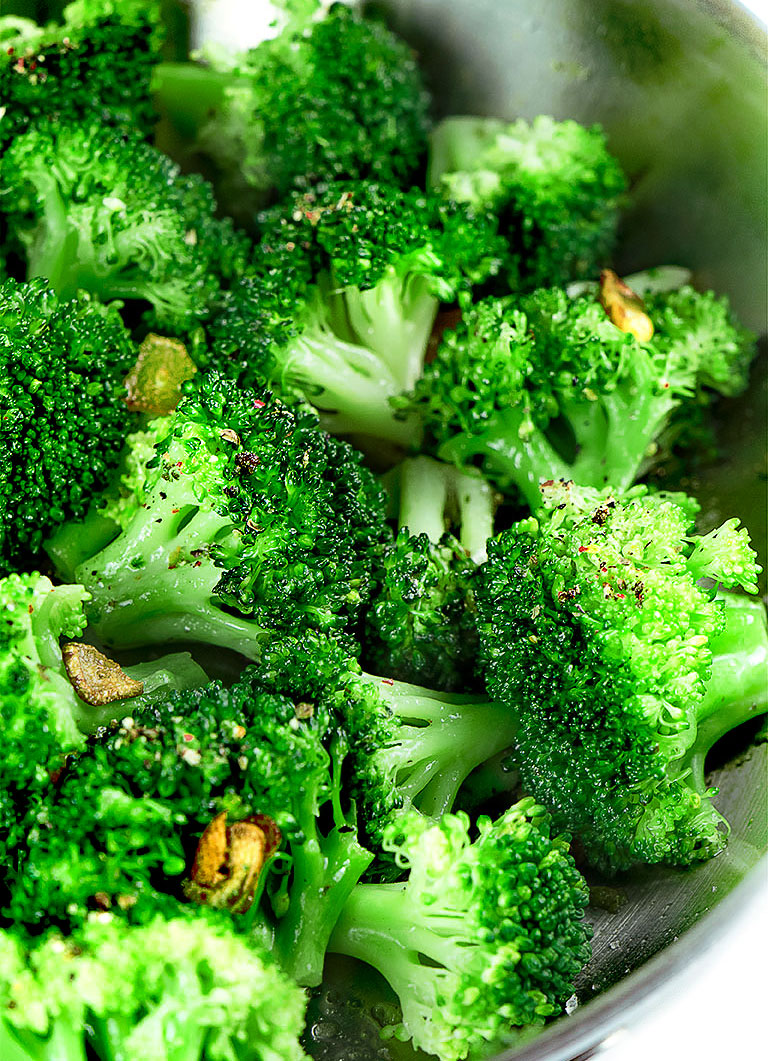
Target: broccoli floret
[[544, 387], [555, 185], [337, 97], [621, 669], [96, 65], [177, 989], [220, 796], [63, 418], [47, 700], [98, 210], [347, 284], [253, 521], [409, 746], [420, 624], [484, 937]]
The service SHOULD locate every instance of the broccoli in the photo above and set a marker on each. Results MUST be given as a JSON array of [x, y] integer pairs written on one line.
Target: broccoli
[[181, 988], [97, 209], [620, 668], [347, 282], [337, 97], [555, 186], [420, 623], [228, 797], [251, 520], [49, 699], [62, 414], [484, 937], [409, 746], [96, 65], [544, 387]]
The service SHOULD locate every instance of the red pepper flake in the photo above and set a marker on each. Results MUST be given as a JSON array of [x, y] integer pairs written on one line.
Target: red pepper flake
[[259, 404], [387, 681], [31, 608], [175, 510], [583, 548], [9, 51], [187, 737]]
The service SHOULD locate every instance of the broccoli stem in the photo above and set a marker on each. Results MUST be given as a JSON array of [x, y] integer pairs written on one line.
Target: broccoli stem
[[325, 871], [73, 543], [394, 319], [187, 93], [349, 385], [737, 690], [65, 1041], [444, 737], [428, 492]]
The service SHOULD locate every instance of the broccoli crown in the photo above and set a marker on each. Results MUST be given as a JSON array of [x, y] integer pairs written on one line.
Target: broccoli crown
[[97, 209], [420, 624], [544, 386], [337, 97], [595, 631], [96, 64], [248, 506], [555, 185], [171, 802], [62, 414], [484, 936], [408, 746], [347, 283], [37, 703], [180, 988]]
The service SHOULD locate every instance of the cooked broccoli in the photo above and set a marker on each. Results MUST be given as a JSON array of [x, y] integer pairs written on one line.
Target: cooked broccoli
[[230, 797], [99, 210], [555, 186], [251, 521], [409, 746], [96, 65], [62, 414], [545, 387], [484, 937], [420, 623], [337, 97], [47, 702], [621, 669], [346, 288], [185, 988]]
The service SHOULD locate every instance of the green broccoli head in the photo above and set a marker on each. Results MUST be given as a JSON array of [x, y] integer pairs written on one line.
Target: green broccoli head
[[341, 96], [420, 624], [253, 522], [555, 185], [485, 936], [180, 988], [545, 387], [619, 666], [97, 209], [96, 64], [219, 796], [62, 412], [408, 746], [348, 279]]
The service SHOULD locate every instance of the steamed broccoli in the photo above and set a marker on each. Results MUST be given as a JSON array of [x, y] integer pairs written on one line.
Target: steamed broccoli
[[96, 65], [48, 701], [228, 797], [420, 623], [485, 935], [555, 186], [409, 746], [341, 96], [185, 988], [347, 282], [97, 209], [62, 414], [546, 387], [621, 669], [249, 520]]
